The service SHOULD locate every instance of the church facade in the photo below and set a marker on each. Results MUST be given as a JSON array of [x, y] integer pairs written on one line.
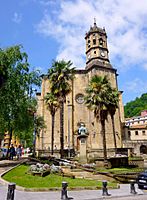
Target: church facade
[[75, 110]]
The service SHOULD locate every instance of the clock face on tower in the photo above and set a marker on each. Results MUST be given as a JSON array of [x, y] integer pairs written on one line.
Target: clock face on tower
[[103, 53]]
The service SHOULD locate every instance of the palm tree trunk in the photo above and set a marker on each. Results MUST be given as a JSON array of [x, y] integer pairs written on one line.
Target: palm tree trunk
[[62, 128], [52, 137], [104, 140], [114, 136]]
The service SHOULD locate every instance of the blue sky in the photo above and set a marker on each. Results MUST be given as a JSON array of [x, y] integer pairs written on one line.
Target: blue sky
[[55, 29]]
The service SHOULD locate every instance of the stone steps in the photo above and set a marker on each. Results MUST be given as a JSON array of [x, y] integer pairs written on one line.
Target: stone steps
[[80, 173]]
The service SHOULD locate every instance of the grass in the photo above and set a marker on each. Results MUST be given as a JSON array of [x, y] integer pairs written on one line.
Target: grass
[[135, 158], [121, 170], [18, 175]]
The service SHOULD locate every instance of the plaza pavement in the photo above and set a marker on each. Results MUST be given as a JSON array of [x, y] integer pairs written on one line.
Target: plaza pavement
[[20, 194]]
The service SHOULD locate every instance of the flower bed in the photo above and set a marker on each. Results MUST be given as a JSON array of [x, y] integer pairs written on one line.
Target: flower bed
[[39, 170]]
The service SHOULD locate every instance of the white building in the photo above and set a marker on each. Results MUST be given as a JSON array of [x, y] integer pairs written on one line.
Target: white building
[[136, 133]]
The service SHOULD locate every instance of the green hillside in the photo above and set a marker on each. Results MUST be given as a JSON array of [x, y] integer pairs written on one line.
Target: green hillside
[[134, 108]]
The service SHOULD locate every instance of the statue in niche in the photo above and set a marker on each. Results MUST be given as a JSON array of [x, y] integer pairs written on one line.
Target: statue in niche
[[82, 129]]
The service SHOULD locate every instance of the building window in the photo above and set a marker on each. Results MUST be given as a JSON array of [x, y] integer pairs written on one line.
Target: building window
[[136, 132], [94, 41], [94, 135], [101, 42], [88, 43], [143, 132], [79, 98], [65, 138]]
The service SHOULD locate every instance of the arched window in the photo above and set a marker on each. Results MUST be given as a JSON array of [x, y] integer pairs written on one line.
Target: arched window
[[136, 132], [101, 42], [88, 43], [94, 41], [143, 149]]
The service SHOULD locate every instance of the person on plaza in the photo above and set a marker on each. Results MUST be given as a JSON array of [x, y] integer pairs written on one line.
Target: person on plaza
[[19, 152], [12, 152]]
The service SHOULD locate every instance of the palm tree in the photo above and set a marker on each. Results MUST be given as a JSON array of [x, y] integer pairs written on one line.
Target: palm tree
[[112, 106], [60, 76], [96, 99], [53, 104], [40, 124]]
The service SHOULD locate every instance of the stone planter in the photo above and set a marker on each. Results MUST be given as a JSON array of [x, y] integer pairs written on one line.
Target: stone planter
[[42, 174]]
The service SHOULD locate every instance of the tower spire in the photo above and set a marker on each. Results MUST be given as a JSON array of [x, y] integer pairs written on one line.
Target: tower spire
[[94, 21], [96, 46]]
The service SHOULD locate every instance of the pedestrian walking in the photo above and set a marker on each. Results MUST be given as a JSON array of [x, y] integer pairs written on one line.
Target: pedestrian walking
[[19, 152], [12, 152]]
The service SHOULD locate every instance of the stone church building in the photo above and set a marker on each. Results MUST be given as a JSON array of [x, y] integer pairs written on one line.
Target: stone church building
[[75, 111]]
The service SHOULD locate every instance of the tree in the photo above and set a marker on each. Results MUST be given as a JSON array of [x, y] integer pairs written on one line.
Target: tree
[[39, 124], [96, 99], [3, 68], [134, 108], [15, 98], [60, 76], [52, 104]]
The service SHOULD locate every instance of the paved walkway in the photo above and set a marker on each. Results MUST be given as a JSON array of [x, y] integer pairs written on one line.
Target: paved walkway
[[77, 195], [123, 191]]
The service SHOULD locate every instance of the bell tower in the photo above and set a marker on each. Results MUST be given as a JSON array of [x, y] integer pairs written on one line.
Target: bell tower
[[96, 46]]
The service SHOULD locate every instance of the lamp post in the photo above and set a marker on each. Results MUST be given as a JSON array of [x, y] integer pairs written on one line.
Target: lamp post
[[69, 106]]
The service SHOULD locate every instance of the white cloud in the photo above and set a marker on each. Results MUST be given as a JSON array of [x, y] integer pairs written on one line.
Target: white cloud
[[145, 66], [136, 86], [17, 18], [47, 2], [125, 23]]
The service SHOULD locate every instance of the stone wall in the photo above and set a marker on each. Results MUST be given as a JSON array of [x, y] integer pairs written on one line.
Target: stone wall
[[75, 113]]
